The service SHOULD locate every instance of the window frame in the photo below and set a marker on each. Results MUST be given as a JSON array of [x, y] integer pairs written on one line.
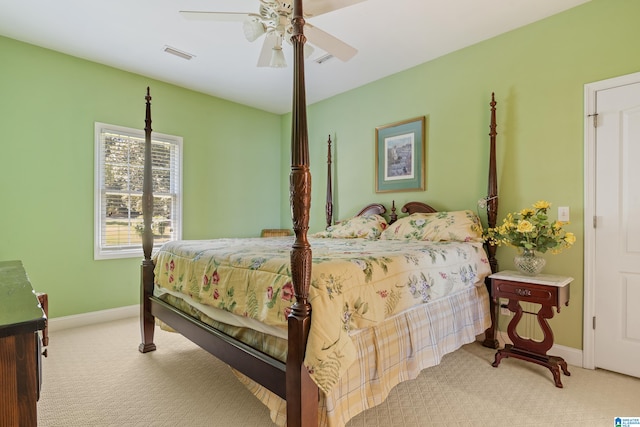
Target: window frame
[[131, 251]]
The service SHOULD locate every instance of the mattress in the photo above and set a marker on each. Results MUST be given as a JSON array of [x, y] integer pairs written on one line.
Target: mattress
[[355, 284]]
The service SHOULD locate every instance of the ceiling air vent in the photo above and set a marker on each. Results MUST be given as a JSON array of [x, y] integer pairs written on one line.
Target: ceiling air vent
[[324, 58], [178, 52]]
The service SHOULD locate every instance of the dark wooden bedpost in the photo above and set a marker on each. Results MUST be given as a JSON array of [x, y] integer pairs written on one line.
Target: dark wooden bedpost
[[393, 217], [329, 204], [492, 190], [146, 286], [492, 215], [302, 392]]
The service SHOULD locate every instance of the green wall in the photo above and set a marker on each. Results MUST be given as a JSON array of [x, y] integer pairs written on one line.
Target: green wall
[[48, 105], [538, 74]]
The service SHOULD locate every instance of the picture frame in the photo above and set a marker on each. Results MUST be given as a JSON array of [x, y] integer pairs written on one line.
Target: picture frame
[[400, 156]]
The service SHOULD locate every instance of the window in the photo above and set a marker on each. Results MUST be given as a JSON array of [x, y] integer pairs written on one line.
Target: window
[[119, 165]]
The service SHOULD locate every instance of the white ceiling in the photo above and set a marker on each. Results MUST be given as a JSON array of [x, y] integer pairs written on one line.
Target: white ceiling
[[390, 35]]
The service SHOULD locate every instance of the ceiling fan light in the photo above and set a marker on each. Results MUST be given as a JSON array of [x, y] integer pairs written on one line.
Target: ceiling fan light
[[253, 29], [277, 58]]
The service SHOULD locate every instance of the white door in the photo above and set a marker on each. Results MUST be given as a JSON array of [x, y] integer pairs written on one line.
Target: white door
[[617, 231]]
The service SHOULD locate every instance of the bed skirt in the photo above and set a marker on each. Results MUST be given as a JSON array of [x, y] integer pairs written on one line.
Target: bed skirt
[[396, 350]]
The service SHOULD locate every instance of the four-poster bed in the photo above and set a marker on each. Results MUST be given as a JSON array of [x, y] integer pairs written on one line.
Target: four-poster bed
[[310, 364]]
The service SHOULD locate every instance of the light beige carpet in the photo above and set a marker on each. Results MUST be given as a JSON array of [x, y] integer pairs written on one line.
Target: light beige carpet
[[95, 376]]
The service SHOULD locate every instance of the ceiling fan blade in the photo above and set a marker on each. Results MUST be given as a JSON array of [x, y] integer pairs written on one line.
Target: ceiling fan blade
[[318, 7], [270, 41], [329, 43], [214, 16]]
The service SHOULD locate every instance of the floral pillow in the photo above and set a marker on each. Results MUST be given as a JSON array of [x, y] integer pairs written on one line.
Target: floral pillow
[[358, 227], [461, 226]]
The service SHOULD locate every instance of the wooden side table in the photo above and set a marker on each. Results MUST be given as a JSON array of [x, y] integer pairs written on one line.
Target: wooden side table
[[547, 290]]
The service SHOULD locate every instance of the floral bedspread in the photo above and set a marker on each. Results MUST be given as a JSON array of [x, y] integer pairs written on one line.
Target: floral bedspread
[[355, 283]]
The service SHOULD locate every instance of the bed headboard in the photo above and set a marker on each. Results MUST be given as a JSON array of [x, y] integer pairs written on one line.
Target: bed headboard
[[372, 209], [417, 207]]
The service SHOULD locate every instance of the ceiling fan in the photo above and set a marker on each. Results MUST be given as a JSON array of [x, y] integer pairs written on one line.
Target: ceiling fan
[[274, 22]]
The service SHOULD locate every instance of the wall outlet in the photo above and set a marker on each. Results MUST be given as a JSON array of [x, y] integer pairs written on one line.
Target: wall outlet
[[504, 311]]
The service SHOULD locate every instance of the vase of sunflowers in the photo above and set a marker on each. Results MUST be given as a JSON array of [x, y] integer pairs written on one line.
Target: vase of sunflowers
[[531, 232]]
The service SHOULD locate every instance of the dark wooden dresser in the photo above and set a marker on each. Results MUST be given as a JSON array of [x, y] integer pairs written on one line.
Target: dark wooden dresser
[[21, 317]]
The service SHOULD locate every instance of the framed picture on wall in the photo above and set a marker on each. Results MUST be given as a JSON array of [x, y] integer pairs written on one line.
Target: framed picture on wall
[[400, 156]]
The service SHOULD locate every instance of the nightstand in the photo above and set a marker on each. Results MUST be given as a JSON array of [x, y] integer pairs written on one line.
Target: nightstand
[[547, 290]]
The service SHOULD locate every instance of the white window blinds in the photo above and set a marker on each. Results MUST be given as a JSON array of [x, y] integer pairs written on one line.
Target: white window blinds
[[118, 193]]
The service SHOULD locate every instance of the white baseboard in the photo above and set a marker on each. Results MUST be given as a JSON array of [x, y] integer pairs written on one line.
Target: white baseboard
[[573, 356], [91, 318]]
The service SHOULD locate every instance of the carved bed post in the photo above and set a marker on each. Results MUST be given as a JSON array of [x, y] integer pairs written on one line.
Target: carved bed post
[[492, 215], [329, 205], [393, 217], [492, 191], [146, 288], [301, 391]]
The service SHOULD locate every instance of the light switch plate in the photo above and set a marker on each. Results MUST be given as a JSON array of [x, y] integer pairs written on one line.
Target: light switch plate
[[563, 213]]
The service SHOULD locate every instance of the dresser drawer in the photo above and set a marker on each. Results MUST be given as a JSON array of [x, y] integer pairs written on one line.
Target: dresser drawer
[[527, 292]]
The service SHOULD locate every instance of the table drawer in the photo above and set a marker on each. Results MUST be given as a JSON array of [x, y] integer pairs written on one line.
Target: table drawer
[[525, 292]]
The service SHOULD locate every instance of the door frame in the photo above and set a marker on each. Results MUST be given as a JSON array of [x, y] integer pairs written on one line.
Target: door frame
[[589, 308]]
